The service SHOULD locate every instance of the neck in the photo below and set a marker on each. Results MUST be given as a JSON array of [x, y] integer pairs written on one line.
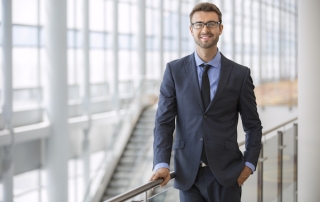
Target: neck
[[207, 54]]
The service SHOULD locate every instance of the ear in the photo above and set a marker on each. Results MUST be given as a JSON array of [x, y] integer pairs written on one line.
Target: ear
[[220, 29], [191, 30]]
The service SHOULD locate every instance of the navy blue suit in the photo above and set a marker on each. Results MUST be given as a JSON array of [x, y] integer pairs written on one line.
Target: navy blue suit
[[180, 108]]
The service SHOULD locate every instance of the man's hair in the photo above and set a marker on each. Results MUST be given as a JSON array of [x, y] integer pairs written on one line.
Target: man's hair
[[206, 7]]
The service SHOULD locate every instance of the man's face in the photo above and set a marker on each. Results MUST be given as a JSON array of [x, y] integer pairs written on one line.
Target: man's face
[[206, 37]]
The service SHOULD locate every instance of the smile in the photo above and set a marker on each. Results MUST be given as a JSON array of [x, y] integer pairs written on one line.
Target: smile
[[205, 37]]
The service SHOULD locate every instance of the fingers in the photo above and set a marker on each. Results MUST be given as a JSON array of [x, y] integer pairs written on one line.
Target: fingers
[[244, 175], [162, 173], [165, 181]]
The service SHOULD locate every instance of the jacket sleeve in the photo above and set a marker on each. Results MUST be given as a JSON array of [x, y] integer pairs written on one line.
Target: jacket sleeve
[[165, 119], [250, 120]]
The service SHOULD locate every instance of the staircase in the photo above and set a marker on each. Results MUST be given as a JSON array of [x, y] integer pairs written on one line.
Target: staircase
[[137, 145]]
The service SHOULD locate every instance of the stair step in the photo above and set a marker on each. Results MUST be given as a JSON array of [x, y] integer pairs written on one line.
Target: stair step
[[133, 146], [144, 126], [126, 169], [143, 132], [119, 183], [131, 153], [127, 159], [140, 141], [115, 191], [147, 120], [122, 175]]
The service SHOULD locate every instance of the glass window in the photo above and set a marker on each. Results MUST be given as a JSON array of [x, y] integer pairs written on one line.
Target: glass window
[[167, 24], [124, 18], [134, 20], [25, 12], [25, 67], [96, 18], [24, 36], [125, 65], [97, 70], [72, 39], [71, 18], [149, 22], [79, 40], [150, 43], [109, 16], [124, 41], [72, 70], [108, 41], [97, 40], [185, 26], [0, 12]]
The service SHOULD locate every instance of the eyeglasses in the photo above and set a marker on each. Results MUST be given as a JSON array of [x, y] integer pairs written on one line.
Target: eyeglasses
[[200, 25]]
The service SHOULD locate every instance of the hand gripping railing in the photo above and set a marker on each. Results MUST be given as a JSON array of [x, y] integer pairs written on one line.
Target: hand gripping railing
[[139, 190]]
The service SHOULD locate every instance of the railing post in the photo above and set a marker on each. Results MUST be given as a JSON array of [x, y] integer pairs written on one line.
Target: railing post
[[280, 164], [295, 166], [260, 176]]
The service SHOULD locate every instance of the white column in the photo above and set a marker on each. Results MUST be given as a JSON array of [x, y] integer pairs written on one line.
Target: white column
[[281, 26], [115, 49], [161, 35], [309, 100], [56, 99], [6, 105], [260, 41], [179, 29], [233, 27], [221, 37], [85, 91], [142, 38]]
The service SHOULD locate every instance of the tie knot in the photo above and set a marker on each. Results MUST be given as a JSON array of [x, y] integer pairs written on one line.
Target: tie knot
[[205, 67]]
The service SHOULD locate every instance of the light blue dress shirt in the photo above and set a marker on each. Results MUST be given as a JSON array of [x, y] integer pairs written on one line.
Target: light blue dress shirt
[[214, 75]]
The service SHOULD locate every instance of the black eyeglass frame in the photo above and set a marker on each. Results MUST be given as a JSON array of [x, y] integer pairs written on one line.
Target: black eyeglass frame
[[216, 24]]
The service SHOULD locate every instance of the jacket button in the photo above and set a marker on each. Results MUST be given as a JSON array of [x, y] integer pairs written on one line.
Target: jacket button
[[201, 139], [204, 116]]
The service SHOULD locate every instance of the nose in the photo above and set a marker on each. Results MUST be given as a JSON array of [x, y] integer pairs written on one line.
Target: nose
[[205, 29]]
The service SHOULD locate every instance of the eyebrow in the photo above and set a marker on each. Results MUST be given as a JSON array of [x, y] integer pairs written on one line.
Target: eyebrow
[[206, 22]]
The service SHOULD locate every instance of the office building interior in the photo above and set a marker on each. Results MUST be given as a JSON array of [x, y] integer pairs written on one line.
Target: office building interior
[[80, 79]]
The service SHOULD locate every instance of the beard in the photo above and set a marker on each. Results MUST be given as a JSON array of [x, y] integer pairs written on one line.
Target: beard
[[207, 44]]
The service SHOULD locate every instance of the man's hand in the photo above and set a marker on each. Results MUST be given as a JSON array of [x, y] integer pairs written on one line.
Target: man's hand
[[161, 173], [246, 172]]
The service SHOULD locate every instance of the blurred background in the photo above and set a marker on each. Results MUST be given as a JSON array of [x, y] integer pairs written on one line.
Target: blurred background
[[79, 76]]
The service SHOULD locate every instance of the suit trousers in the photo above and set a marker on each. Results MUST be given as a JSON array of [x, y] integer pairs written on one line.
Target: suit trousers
[[207, 189]]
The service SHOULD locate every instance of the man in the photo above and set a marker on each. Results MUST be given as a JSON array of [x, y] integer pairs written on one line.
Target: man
[[200, 97]]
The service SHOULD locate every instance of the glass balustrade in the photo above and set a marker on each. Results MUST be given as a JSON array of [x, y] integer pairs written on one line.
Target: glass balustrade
[[275, 179]]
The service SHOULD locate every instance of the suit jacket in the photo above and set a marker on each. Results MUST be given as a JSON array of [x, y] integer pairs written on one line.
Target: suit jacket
[[180, 108]]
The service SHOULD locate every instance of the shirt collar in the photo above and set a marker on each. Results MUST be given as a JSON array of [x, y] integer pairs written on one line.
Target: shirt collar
[[215, 62]]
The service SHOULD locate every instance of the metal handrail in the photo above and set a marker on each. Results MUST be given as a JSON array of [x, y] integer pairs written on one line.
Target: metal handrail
[[271, 130], [139, 190]]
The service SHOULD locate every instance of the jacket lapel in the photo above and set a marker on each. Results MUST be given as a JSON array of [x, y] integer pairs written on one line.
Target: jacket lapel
[[225, 71], [192, 77]]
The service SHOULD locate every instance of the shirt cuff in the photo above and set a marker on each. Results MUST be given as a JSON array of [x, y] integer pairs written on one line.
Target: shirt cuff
[[251, 166], [161, 165]]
